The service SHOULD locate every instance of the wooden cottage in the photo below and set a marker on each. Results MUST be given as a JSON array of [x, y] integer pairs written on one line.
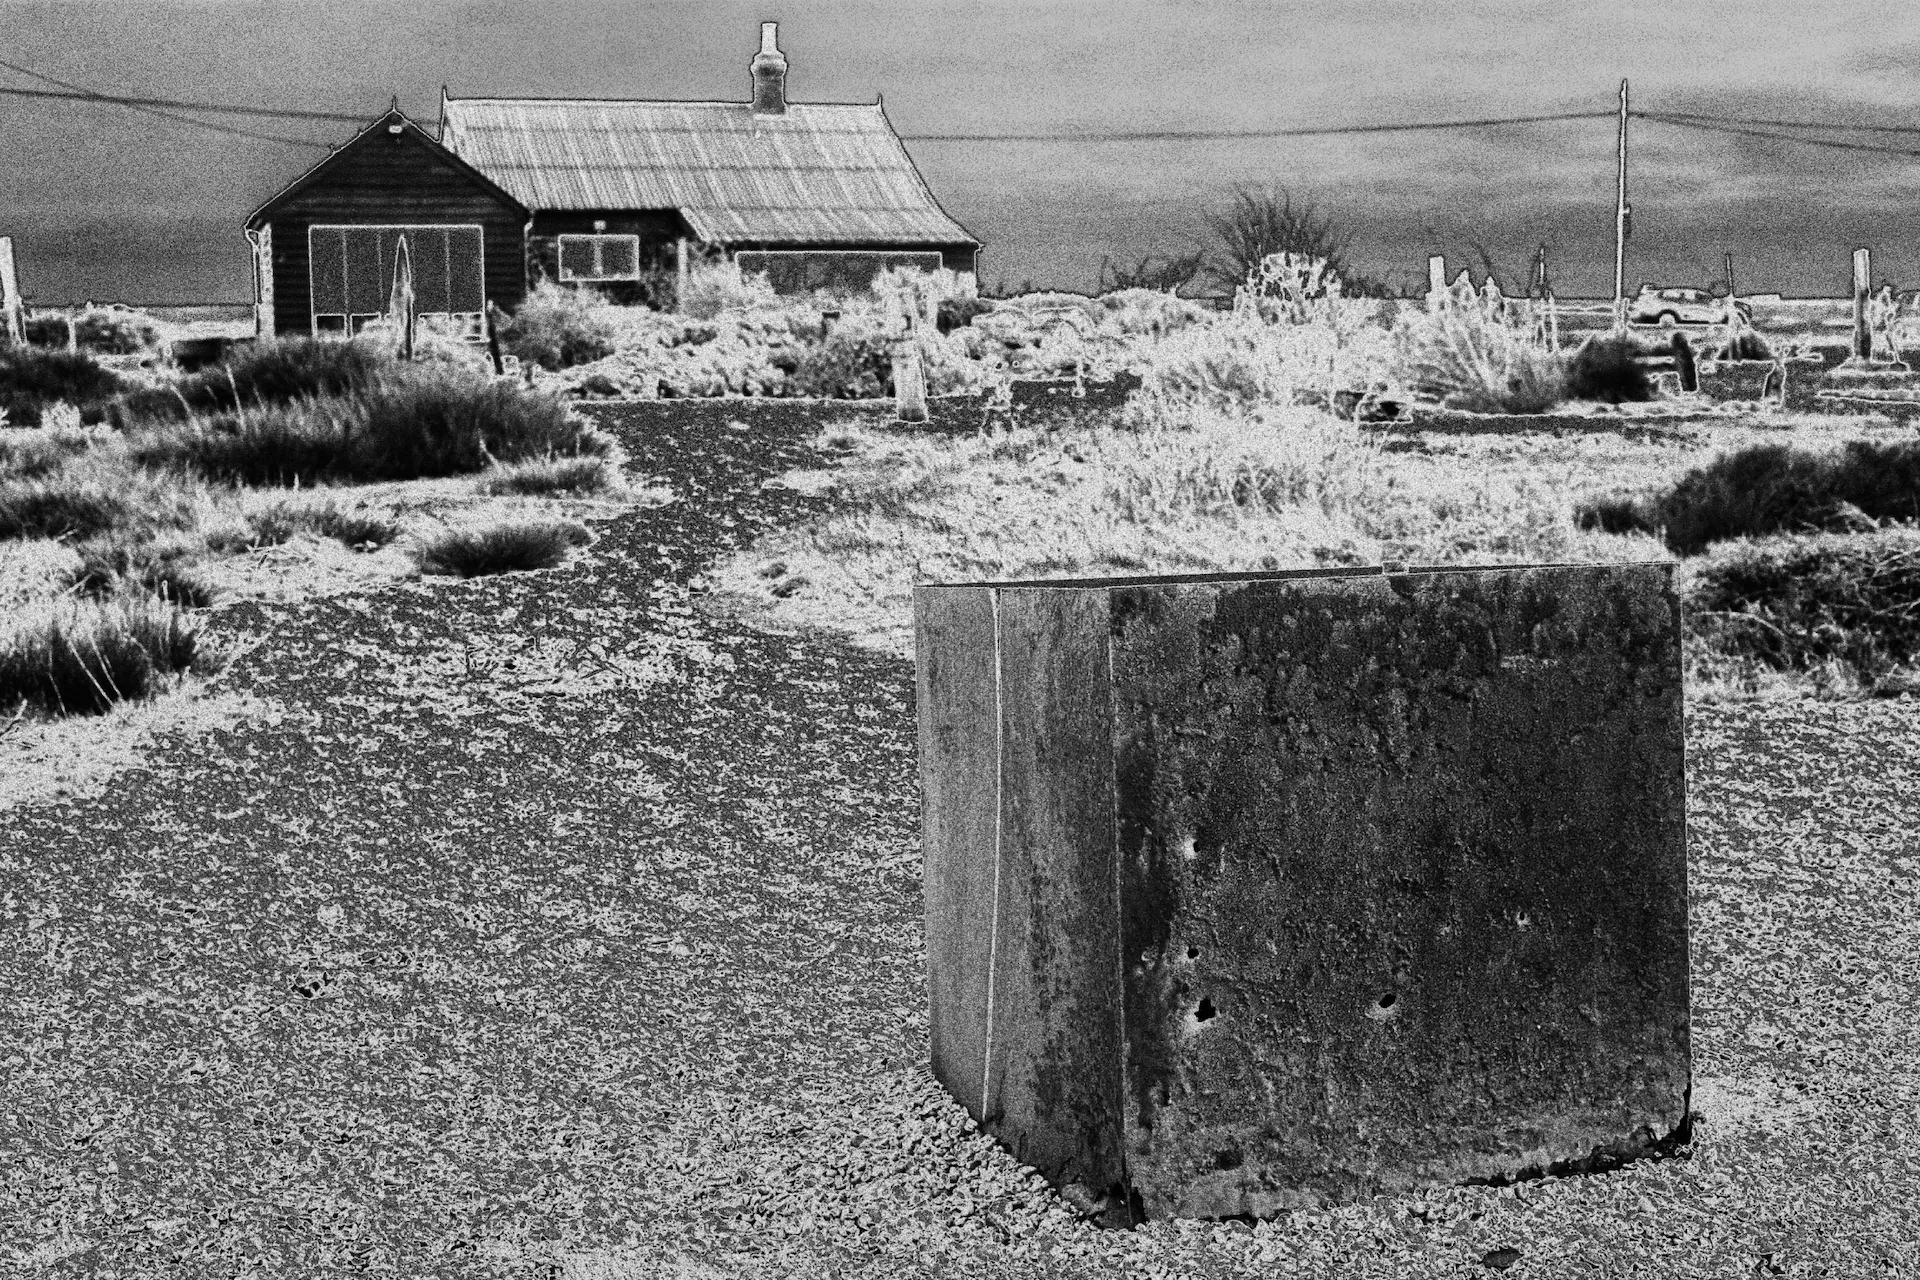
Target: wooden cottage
[[615, 194], [325, 246], [814, 194]]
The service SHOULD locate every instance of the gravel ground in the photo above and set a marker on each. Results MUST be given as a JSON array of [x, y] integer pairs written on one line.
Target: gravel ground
[[549, 927]]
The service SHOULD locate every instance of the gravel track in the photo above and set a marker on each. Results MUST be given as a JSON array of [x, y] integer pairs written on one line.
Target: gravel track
[[556, 929]]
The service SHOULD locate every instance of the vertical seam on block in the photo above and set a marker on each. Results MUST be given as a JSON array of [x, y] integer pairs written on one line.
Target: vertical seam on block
[[999, 792]]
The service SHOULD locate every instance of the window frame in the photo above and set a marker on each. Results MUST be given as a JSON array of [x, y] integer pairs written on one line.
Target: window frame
[[599, 240], [347, 322]]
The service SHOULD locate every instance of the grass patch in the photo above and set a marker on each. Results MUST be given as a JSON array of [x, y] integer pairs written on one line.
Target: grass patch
[[552, 475], [32, 379], [88, 494], [83, 656], [505, 546], [1218, 492]]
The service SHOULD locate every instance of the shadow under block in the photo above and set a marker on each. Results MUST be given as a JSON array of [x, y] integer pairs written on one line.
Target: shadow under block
[[1251, 892]]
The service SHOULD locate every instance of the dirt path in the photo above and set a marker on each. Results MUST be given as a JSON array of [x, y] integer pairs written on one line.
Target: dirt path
[[552, 917]]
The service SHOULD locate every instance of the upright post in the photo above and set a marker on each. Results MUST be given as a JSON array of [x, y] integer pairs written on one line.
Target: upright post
[[1862, 281], [679, 272], [909, 379], [1733, 314], [493, 338], [1622, 220], [12, 311], [1436, 282]]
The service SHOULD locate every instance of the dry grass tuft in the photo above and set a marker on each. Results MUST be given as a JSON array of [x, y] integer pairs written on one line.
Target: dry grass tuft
[[504, 546]]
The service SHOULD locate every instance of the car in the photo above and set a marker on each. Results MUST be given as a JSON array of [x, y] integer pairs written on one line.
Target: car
[[1670, 307]]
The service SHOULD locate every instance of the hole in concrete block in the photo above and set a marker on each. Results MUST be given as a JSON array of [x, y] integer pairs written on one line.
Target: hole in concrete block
[[1385, 1008], [1387, 1000], [1206, 1010], [1193, 953]]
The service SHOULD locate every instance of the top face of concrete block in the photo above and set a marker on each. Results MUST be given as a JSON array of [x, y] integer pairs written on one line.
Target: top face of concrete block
[[1202, 579], [1403, 878]]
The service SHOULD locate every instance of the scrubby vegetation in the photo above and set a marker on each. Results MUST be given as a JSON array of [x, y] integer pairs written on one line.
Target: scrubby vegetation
[[1844, 609], [1773, 488], [82, 656], [506, 546], [1608, 370], [227, 462], [32, 380], [261, 374]]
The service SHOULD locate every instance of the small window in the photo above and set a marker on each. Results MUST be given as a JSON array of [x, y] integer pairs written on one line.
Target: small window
[[330, 326], [599, 258]]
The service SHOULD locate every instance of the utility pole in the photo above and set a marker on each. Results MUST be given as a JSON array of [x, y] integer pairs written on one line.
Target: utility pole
[[1622, 220]]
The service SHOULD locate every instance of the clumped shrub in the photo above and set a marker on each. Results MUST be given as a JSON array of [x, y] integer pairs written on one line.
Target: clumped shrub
[[1606, 369], [853, 363], [1797, 602], [431, 422], [714, 287], [267, 373], [507, 546], [443, 424], [32, 379], [82, 656], [1473, 357], [115, 332], [1774, 488], [557, 327]]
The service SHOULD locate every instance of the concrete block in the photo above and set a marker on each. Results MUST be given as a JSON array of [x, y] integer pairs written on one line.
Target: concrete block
[[1246, 892]]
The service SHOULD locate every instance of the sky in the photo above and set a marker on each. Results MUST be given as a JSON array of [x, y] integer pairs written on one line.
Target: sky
[[107, 204]]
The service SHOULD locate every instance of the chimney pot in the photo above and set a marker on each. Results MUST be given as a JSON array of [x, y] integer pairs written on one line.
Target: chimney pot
[[769, 74]]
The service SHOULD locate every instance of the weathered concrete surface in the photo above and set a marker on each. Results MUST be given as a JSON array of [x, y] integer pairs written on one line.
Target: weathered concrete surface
[[1025, 992], [1401, 878], [1416, 844]]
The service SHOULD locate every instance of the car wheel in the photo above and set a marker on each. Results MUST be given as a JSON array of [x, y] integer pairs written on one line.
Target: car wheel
[[1668, 320]]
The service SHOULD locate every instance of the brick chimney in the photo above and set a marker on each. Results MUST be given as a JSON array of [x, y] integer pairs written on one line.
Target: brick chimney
[[769, 74]]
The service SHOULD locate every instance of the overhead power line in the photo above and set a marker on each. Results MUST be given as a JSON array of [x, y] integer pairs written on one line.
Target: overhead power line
[[164, 114], [1173, 135], [125, 101], [1833, 143], [1829, 126]]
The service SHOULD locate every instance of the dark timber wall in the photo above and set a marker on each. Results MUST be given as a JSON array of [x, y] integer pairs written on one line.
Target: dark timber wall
[[383, 177]]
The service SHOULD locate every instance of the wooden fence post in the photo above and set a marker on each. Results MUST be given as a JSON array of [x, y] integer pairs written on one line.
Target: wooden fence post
[[1436, 281], [1862, 281], [680, 273], [12, 310]]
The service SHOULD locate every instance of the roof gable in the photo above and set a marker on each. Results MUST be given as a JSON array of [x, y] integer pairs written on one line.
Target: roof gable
[[344, 152], [820, 173]]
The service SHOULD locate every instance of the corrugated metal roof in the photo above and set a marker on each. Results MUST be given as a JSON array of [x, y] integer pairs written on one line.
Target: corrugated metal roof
[[823, 173]]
